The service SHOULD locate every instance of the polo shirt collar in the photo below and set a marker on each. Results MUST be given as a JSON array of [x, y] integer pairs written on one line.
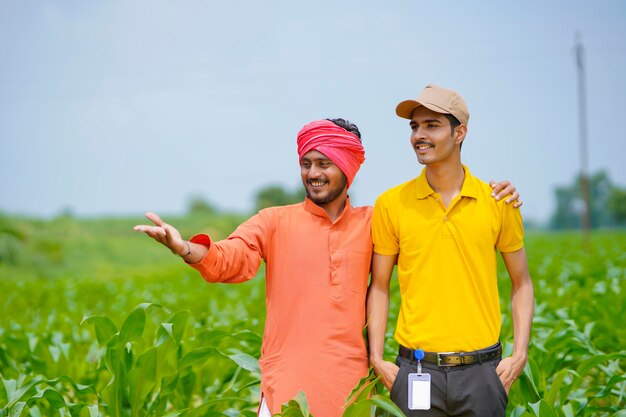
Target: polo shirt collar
[[469, 189]]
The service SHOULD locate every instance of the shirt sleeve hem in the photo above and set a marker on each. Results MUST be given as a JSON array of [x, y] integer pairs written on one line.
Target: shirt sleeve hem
[[511, 248], [209, 258], [385, 251]]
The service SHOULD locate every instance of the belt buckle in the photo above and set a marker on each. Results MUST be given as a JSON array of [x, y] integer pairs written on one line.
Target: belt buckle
[[439, 357]]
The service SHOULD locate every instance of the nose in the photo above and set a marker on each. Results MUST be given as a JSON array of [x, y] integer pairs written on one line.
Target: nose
[[314, 171], [418, 133]]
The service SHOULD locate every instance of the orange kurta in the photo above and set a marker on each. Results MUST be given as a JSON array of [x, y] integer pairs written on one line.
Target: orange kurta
[[316, 280]]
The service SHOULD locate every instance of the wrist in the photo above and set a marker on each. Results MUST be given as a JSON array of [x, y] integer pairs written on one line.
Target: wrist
[[186, 252], [376, 360]]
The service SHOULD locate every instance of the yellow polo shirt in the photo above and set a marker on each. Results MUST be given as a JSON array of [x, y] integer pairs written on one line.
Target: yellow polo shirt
[[446, 261]]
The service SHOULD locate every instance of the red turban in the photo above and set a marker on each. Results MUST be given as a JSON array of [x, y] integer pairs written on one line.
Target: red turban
[[336, 143]]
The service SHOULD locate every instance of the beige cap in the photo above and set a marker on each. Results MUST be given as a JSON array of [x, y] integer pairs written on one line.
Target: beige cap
[[438, 99]]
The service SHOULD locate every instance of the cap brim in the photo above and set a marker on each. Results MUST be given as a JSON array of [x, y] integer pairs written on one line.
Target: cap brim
[[406, 108]]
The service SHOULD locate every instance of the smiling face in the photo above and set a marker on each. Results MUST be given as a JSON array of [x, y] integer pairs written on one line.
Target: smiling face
[[432, 137], [323, 180]]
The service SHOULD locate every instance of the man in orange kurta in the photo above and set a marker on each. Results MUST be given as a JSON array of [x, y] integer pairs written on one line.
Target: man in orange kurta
[[317, 257], [316, 277]]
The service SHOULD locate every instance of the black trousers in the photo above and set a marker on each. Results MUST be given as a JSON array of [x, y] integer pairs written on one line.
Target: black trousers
[[460, 391]]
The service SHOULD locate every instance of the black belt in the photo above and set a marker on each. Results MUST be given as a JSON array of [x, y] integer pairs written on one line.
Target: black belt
[[455, 358]]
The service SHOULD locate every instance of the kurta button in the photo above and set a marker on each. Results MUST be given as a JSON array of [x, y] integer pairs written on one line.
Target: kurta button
[[445, 218]]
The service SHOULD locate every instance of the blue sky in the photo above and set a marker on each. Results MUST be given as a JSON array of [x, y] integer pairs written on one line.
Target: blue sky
[[122, 107]]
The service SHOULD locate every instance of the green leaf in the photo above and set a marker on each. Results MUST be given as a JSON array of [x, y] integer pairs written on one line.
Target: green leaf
[[198, 356], [518, 411], [16, 410], [542, 409], [18, 393], [387, 405], [164, 333], [358, 409], [133, 326], [247, 336], [10, 386], [169, 383], [104, 327], [175, 413], [615, 379], [179, 322], [370, 378], [55, 352], [142, 379], [54, 398], [247, 362], [298, 406], [551, 396], [300, 398], [594, 361], [34, 411], [93, 410], [527, 384], [567, 410]]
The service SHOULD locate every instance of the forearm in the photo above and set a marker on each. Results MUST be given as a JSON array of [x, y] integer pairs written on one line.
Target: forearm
[[522, 307], [377, 310]]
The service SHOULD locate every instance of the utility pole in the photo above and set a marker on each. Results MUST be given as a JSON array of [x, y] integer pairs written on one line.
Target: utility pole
[[582, 134]]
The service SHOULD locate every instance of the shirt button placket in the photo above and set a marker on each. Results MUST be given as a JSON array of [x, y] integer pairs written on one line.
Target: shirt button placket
[[335, 263]]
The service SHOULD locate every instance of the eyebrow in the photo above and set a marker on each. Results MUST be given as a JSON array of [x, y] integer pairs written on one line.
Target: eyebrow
[[413, 122]]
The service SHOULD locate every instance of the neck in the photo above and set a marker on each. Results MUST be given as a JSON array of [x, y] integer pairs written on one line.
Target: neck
[[447, 179], [334, 208]]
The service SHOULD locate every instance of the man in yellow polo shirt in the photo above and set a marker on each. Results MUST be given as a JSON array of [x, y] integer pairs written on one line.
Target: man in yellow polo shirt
[[443, 230]]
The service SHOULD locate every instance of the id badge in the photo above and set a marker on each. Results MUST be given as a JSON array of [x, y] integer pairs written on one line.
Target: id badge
[[419, 392]]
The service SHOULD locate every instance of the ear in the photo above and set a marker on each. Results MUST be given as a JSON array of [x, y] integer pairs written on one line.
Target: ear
[[460, 132]]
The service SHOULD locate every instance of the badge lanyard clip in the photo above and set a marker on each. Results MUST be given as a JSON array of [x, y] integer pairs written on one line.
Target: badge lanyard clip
[[419, 355]]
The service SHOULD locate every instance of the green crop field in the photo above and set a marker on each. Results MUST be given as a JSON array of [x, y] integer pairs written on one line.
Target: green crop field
[[97, 320]]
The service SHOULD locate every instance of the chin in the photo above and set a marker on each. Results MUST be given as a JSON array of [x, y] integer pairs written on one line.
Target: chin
[[320, 200]]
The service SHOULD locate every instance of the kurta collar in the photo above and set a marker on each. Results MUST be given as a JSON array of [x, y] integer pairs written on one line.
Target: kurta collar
[[313, 208], [469, 188]]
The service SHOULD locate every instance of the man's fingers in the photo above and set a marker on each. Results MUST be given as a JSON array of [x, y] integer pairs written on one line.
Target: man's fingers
[[514, 196], [154, 232], [504, 191], [500, 189], [394, 374], [156, 235], [155, 218]]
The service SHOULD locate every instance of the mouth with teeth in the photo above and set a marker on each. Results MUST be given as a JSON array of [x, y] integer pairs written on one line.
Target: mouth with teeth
[[423, 146], [317, 183]]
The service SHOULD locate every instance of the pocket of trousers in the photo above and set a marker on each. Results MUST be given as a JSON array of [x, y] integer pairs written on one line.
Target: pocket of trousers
[[493, 366], [396, 382]]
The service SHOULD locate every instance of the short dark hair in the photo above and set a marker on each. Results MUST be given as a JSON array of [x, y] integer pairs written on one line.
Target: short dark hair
[[349, 126], [454, 122]]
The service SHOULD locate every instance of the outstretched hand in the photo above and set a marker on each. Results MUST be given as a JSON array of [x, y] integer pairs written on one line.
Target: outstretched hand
[[502, 189], [163, 233]]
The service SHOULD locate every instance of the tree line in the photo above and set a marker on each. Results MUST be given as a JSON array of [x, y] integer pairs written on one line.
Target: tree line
[[607, 204]]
